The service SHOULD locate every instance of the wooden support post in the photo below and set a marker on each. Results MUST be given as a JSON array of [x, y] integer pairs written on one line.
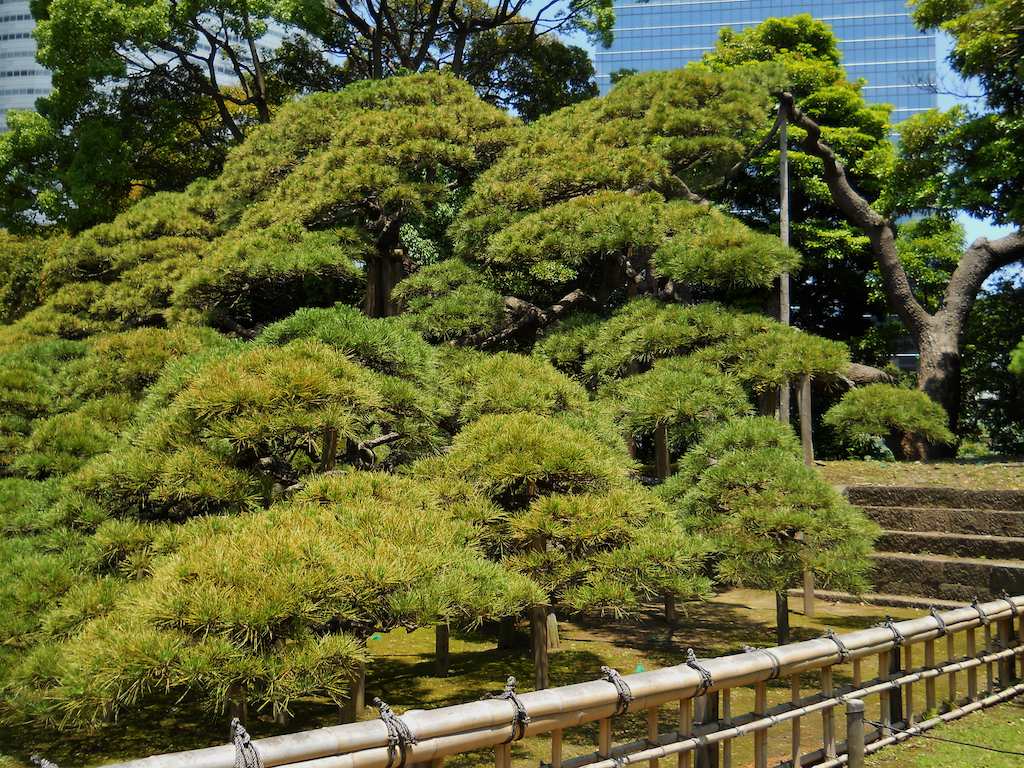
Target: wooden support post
[[806, 419], [761, 736], [794, 698], [931, 699], [539, 640], [554, 640], [896, 700], [685, 731], [858, 672], [356, 701], [442, 656], [652, 734], [670, 610], [663, 462], [782, 617], [556, 749], [828, 723], [809, 593], [972, 673]]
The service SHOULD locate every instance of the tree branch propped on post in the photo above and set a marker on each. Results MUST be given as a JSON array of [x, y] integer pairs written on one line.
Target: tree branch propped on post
[[937, 334]]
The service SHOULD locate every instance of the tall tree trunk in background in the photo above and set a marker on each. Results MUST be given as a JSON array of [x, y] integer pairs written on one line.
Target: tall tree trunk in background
[[539, 641], [781, 617], [937, 334], [442, 655]]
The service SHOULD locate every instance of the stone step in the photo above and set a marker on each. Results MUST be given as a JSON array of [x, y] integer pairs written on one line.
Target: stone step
[[971, 521], [948, 498], [945, 577], [880, 599], [958, 544]]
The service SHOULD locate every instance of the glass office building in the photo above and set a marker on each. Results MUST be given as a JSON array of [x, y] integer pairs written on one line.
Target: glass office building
[[878, 40]]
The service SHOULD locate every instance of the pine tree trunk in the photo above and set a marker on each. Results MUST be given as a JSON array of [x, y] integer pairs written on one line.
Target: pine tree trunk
[[662, 459], [356, 701], [554, 641], [507, 633], [238, 707], [539, 641], [383, 273], [442, 657], [670, 609], [782, 617]]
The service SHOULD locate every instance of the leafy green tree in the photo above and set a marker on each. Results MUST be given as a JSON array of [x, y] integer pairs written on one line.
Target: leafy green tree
[[945, 162], [827, 291], [1017, 363], [769, 517], [529, 76]]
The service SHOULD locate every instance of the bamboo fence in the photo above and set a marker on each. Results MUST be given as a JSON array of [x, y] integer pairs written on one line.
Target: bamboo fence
[[913, 655]]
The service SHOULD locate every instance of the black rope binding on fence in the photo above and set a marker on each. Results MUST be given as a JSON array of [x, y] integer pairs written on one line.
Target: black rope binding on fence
[[941, 622], [246, 755], [399, 735], [42, 762], [520, 717], [1014, 610], [705, 675], [776, 665], [621, 689], [985, 620], [844, 652], [896, 634]]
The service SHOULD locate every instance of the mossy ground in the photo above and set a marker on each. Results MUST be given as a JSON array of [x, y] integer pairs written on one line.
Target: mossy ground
[[403, 675], [979, 474], [1001, 727]]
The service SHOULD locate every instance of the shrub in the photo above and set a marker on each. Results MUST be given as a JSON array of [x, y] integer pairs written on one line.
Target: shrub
[[1017, 360], [449, 300], [889, 413]]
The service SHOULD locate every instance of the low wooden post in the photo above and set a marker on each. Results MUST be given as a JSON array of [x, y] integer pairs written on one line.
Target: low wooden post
[[1005, 630], [931, 699], [828, 726], [556, 749], [652, 734], [972, 673], [951, 655], [442, 657], [794, 698], [726, 721], [685, 759], [855, 733]]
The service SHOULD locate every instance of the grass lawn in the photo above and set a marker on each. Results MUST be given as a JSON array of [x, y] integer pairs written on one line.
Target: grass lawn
[[1001, 727], [402, 674], [975, 474]]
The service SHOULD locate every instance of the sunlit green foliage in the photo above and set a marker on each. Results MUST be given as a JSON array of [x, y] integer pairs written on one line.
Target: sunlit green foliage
[[887, 412], [768, 516], [449, 300], [289, 616]]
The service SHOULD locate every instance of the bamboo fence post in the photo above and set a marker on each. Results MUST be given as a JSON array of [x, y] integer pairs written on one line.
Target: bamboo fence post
[[685, 731], [989, 667], [726, 723], [931, 703], [908, 666], [705, 713], [951, 656], [858, 673], [972, 673], [885, 711], [828, 725], [761, 736], [652, 733], [604, 737], [556, 749], [854, 734], [1005, 631], [794, 697], [503, 756]]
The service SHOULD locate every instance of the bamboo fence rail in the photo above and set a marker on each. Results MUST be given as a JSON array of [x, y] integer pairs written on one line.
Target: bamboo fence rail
[[700, 692]]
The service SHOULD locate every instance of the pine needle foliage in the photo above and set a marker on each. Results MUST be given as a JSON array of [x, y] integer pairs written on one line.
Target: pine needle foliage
[[449, 300], [568, 514], [277, 605], [882, 411], [680, 394], [768, 515]]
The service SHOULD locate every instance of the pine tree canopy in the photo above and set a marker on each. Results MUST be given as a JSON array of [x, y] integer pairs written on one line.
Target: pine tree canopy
[[404, 363]]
